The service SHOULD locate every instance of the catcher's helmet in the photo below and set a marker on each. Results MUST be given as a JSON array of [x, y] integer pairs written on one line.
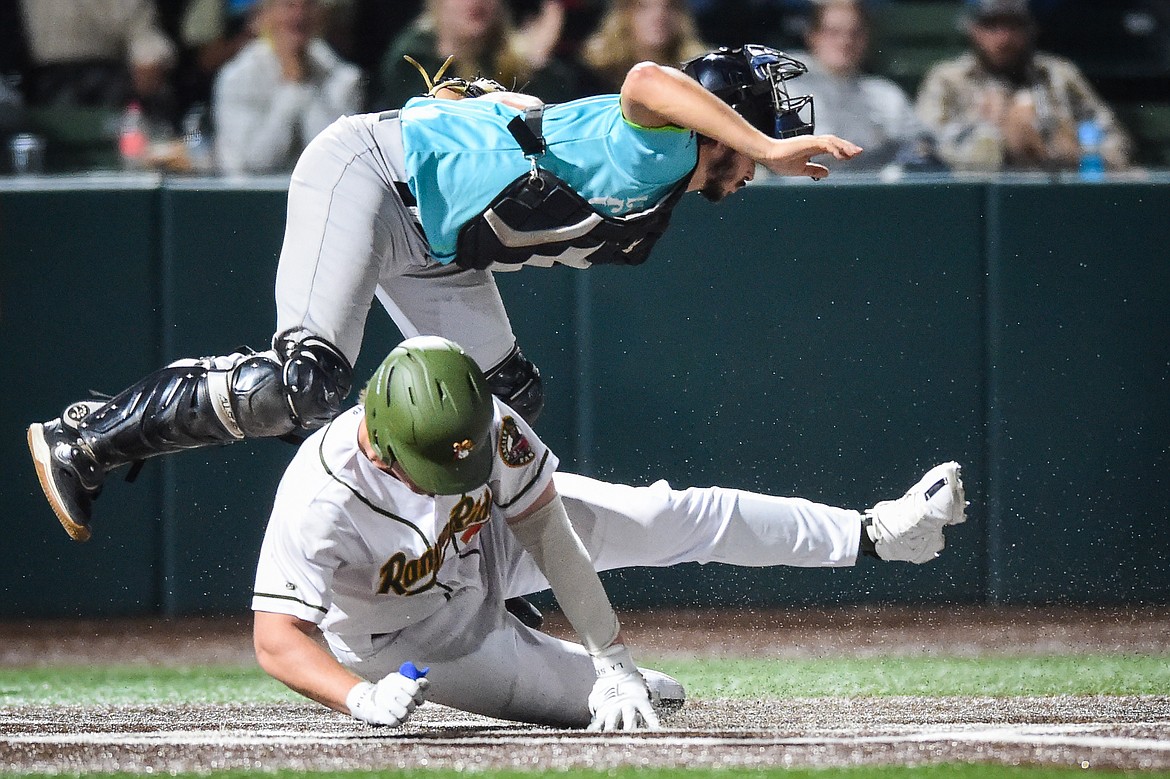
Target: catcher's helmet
[[429, 407], [751, 80]]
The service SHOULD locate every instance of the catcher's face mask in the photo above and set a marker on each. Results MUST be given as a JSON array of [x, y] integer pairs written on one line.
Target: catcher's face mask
[[793, 115], [751, 80]]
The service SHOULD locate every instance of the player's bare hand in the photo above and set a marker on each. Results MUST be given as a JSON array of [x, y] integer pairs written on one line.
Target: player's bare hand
[[391, 701], [539, 36], [793, 156], [292, 56], [620, 699]]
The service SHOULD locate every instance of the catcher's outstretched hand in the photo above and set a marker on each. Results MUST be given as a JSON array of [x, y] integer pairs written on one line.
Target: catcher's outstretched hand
[[791, 156], [391, 701], [620, 699]]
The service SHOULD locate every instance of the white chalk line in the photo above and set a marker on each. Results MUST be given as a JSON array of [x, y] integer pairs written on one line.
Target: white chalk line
[[1038, 735]]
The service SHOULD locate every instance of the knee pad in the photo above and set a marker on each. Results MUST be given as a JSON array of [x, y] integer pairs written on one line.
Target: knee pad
[[516, 381], [250, 398], [300, 383], [317, 377]]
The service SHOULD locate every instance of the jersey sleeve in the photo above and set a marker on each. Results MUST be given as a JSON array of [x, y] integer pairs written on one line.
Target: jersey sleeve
[[523, 465], [653, 156], [298, 556]]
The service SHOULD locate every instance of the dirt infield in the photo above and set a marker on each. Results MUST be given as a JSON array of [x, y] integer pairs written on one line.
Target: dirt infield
[[1099, 732]]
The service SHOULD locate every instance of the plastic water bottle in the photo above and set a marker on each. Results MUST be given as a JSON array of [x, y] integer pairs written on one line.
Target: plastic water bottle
[[133, 141], [195, 140], [1090, 135]]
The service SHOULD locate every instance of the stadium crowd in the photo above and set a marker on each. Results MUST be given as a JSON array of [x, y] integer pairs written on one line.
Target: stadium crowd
[[240, 86]]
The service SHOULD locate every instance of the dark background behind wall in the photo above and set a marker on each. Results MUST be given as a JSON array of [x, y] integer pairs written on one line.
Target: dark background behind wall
[[830, 341]]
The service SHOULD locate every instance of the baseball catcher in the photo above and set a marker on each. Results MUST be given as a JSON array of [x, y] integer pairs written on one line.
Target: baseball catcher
[[416, 208], [402, 527]]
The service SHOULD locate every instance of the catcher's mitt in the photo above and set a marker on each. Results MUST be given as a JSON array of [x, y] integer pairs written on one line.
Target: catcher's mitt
[[477, 87]]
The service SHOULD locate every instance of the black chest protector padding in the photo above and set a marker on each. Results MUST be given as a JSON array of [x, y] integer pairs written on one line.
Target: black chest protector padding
[[542, 216]]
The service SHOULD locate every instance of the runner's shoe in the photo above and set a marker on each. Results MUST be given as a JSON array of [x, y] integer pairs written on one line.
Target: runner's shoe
[[667, 694]]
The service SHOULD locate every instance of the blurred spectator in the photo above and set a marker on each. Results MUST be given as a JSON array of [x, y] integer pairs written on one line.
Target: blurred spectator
[[781, 24], [211, 32], [871, 111], [484, 42], [11, 114], [280, 91], [634, 31], [581, 20], [97, 54], [372, 27], [214, 31], [14, 60], [1004, 105]]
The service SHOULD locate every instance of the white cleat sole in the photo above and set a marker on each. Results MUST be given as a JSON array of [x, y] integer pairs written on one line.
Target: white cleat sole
[[43, 460]]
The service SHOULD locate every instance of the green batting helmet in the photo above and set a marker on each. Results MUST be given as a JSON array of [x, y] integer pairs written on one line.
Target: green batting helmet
[[429, 407]]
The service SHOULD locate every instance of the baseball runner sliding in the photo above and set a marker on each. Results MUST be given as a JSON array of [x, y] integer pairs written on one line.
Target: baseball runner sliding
[[401, 528]]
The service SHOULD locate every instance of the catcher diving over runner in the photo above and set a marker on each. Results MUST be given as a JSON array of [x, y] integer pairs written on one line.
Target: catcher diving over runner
[[401, 528], [416, 208]]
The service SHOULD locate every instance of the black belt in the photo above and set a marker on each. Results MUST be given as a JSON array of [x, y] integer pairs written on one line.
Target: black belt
[[404, 192]]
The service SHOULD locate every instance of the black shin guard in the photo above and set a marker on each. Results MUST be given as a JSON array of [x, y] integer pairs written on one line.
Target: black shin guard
[[516, 381], [168, 411], [300, 384]]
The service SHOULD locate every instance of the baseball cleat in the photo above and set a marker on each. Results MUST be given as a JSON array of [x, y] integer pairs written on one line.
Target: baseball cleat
[[911, 527], [667, 694], [69, 476]]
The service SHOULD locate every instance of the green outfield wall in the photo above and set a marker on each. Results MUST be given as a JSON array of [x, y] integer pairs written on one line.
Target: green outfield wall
[[828, 340]]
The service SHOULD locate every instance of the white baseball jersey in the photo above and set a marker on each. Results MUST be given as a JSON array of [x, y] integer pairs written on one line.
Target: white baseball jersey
[[353, 549], [390, 575]]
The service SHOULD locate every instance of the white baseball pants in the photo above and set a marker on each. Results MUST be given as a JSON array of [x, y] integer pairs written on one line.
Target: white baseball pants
[[484, 661], [349, 238]]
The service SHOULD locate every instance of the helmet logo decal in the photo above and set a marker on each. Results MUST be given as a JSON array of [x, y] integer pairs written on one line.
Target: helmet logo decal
[[462, 448], [515, 450]]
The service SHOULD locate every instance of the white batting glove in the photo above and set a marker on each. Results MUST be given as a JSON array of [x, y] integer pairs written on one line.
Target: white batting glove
[[391, 701], [620, 699], [911, 527]]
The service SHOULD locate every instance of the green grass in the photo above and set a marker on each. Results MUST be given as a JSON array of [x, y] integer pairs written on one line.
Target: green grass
[[935, 676], [747, 679], [128, 685], [940, 771]]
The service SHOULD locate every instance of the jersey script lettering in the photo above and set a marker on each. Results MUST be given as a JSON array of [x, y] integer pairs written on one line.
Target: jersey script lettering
[[467, 518]]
